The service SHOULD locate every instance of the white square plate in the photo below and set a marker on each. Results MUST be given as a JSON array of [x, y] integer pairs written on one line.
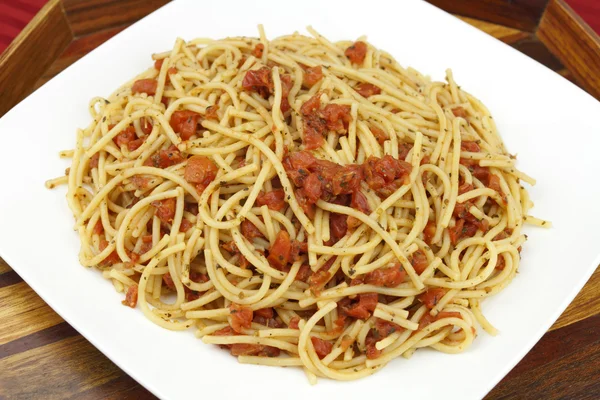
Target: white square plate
[[549, 122]]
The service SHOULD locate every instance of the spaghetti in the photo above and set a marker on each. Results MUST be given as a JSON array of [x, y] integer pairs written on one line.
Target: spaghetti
[[299, 202]]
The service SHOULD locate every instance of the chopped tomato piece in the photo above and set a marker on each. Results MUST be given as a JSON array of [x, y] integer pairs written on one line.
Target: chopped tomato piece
[[372, 351], [158, 63], [133, 256], [464, 188], [184, 122], [131, 297], [258, 50], [481, 173], [98, 228], [303, 273], [146, 244], [94, 160], [312, 75], [286, 86], [125, 136], [312, 188], [168, 280], [428, 318], [297, 249], [227, 331], [429, 232], [337, 117], [185, 225], [259, 81], [381, 330], [265, 312], [140, 181], [244, 263], [461, 210], [135, 144], [305, 204], [324, 179], [385, 328], [311, 105], [248, 349], [314, 125], [322, 347], [318, 280], [314, 129], [294, 321], [501, 263], [274, 199], [271, 322], [357, 281], [165, 209], [381, 137], [494, 183], [112, 258], [230, 247], [359, 202], [367, 89], [241, 317], [249, 230], [363, 308], [456, 231], [419, 261], [388, 277], [385, 175], [340, 324], [459, 112], [200, 170], [463, 229], [504, 234], [403, 150], [280, 251], [165, 158], [473, 147], [146, 125], [432, 296], [211, 112], [147, 86], [338, 226], [297, 165], [357, 52]]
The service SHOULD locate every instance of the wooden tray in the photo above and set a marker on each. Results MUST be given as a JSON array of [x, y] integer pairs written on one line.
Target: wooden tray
[[41, 356]]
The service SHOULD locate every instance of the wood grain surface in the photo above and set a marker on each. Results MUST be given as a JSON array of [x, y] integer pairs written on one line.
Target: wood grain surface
[[25, 57], [573, 42], [93, 16], [520, 14], [41, 356]]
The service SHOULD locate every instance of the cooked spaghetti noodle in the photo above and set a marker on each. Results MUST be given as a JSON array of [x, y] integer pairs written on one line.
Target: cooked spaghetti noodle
[[299, 202]]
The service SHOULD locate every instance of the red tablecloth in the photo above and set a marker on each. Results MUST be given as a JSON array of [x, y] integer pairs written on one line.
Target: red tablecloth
[[589, 10], [14, 15]]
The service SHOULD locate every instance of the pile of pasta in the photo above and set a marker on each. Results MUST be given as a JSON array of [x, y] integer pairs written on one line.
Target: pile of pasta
[[299, 202]]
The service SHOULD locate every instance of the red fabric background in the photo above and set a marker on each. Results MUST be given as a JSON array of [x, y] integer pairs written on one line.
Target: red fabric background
[[15, 14], [589, 10]]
